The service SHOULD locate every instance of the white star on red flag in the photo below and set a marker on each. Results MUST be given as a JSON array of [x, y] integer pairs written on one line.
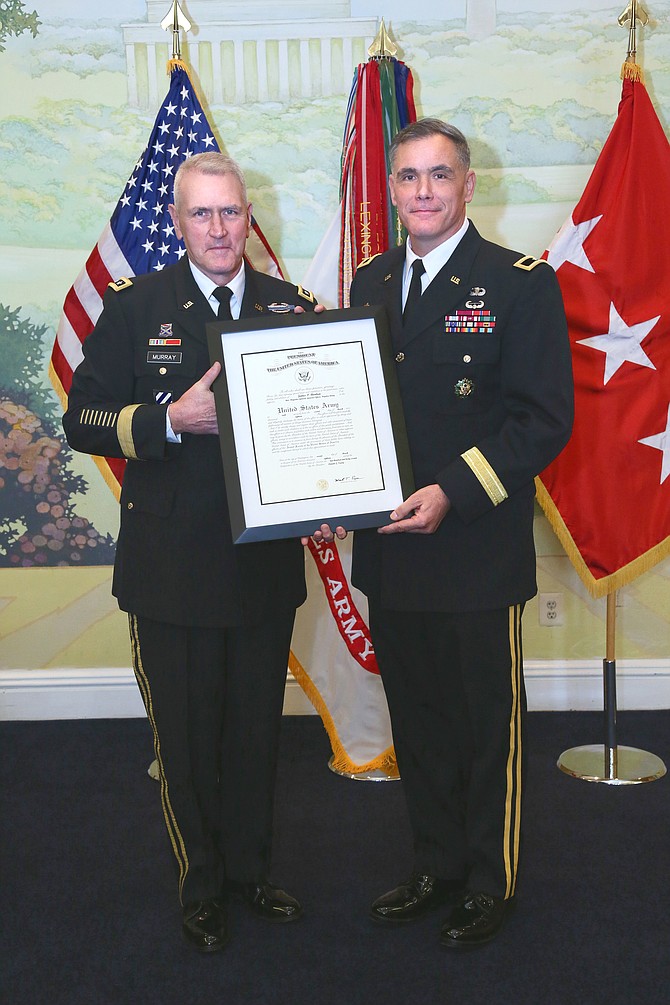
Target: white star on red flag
[[568, 245], [661, 441], [621, 343]]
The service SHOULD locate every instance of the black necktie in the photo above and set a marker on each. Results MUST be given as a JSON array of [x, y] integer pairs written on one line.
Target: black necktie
[[415, 290], [223, 295]]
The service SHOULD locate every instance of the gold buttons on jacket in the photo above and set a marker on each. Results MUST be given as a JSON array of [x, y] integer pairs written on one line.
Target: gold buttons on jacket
[[130, 505], [467, 359], [400, 357], [162, 370]]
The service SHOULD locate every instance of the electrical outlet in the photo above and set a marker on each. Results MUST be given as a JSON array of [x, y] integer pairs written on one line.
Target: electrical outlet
[[550, 609]]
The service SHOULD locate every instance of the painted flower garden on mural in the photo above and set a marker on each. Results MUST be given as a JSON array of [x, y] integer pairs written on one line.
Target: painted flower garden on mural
[[607, 495], [140, 237]]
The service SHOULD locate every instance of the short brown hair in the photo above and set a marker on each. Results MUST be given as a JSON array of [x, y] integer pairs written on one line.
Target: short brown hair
[[422, 128]]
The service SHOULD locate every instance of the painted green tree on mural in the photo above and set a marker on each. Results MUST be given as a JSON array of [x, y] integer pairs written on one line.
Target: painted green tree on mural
[[38, 522], [14, 19]]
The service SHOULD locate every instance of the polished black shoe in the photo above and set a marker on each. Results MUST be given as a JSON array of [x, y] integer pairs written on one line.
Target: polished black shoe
[[205, 925], [474, 921], [270, 903], [415, 898]]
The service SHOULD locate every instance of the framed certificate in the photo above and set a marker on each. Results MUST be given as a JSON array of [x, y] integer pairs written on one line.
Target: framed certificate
[[310, 422]]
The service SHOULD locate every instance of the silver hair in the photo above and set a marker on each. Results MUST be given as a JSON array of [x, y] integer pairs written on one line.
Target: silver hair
[[211, 163]]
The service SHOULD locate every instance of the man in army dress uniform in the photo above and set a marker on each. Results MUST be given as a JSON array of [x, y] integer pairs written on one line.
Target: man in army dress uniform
[[210, 622], [484, 369]]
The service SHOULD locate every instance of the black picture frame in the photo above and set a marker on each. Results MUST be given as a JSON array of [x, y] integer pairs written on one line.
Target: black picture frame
[[273, 453]]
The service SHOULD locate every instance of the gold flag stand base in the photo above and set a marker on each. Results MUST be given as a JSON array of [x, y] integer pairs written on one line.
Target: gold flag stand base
[[363, 776], [620, 766], [608, 762]]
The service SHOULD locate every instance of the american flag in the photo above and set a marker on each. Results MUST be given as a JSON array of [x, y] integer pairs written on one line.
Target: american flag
[[140, 236]]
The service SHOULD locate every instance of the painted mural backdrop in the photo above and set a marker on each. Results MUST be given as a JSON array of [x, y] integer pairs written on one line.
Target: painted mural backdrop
[[534, 86]]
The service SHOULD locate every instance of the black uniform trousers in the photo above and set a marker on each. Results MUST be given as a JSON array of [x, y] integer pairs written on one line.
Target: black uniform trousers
[[214, 699], [456, 697]]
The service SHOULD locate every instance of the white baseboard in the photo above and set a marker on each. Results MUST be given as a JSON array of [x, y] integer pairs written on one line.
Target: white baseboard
[[112, 693]]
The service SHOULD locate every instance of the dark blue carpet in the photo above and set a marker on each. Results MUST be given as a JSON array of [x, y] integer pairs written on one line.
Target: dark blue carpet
[[90, 916]]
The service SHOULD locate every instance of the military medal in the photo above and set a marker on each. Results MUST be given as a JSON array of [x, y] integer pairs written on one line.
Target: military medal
[[464, 387]]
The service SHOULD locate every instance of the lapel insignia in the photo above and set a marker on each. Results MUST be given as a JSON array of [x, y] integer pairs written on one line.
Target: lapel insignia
[[464, 387], [305, 294], [259, 307], [477, 291], [528, 263], [455, 280], [189, 303], [386, 278]]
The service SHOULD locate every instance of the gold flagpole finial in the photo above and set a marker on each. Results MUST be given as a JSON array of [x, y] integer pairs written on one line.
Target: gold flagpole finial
[[382, 47], [173, 21], [633, 15]]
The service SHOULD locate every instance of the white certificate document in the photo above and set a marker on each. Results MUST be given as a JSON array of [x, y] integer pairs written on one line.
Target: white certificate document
[[312, 424]]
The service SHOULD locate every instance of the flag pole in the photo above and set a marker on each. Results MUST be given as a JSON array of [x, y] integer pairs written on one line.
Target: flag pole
[[611, 763], [173, 21]]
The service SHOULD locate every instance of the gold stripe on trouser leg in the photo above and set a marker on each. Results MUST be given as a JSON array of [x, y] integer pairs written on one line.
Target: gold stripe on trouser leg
[[513, 799], [176, 839]]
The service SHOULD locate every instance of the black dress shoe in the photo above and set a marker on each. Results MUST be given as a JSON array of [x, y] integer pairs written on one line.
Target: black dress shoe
[[476, 919], [270, 903], [205, 925], [415, 898]]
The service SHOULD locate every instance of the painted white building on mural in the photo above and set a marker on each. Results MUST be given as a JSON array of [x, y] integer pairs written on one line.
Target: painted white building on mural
[[245, 51]]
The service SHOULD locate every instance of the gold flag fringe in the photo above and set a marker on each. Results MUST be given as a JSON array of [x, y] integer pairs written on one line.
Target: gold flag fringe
[[607, 584], [386, 761], [632, 71], [178, 64]]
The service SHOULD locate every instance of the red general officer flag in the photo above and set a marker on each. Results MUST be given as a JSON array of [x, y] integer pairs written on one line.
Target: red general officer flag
[[607, 494]]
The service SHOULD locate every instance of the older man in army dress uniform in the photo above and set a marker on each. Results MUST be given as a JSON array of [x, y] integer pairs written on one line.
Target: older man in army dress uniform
[[210, 622]]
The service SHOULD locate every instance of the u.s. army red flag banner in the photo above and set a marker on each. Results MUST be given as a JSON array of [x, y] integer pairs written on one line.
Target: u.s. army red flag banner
[[342, 680], [607, 495]]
